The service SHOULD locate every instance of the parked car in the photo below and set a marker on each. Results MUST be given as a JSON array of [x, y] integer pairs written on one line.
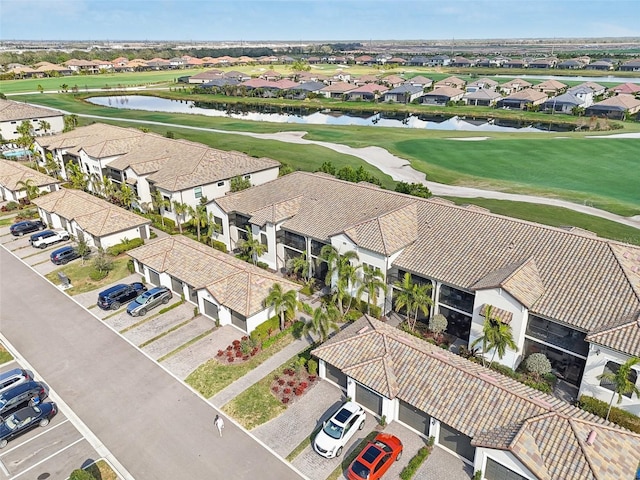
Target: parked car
[[339, 429], [49, 237], [148, 300], [112, 298], [64, 255], [376, 458], [13, 378], [20, 396], [25, 419], [26, 226]]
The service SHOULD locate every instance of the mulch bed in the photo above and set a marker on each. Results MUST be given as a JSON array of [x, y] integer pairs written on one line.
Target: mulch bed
[[292, 384], [238, 352]]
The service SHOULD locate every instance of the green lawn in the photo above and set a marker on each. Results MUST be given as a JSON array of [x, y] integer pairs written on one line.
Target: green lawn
[[4, 355], [78, 273], [556, 217]]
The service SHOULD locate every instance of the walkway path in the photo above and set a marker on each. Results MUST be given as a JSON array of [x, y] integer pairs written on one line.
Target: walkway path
[[399, 169]]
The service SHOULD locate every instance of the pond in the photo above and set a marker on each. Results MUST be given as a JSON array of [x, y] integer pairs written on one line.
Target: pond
[[309, 116]]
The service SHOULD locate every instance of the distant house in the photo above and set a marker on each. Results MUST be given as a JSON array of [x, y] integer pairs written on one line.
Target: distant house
[[220, 83], [242, 77], [619, 107], [404, 94], [550, 87], [461, 62], [313, 60], [439, 61], [205, 77], [603, 65], [340, 76], [418, 61], [625, 89], [271, 75], [442, 95], [100, 223], [584, 94], [543, 63], [454, 82], [515, 64], [571, 64], [224, 288], [564, 103], [370, 91], [630, 66], [482, 83], [337, 90], [364, 79], [397, 61], [364, 60], [513, 86], [420, 81], [482, 97], [14, 176], [393, 81], [301, 90], [520, 100], [596, 88], [12, 114]]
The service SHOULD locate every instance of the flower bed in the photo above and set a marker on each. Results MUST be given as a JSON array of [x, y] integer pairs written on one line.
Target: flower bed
[[238, 352], [292, 384]]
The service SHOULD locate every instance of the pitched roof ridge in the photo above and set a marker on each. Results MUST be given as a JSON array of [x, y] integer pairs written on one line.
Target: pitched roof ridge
[[634, 289], [620, 324], [582, 442]]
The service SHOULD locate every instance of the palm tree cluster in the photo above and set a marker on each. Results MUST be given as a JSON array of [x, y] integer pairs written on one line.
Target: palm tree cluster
[[414, 297], [496, 336], [621, 381]]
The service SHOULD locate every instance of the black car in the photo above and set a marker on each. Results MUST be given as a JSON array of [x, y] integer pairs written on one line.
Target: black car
[[20, 396], [26, 226], [64, 255], [113, 298], [24, 420]]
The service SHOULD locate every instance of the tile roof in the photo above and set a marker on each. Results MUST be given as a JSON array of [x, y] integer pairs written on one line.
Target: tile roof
[[445, 92], [234, 283], [546, 434], [17, 111], [623, 101], [483, 94], [338, 87], [516, 82], [527, 95], [420, 80], [94, 215], [370, 88], [12, 173], [550, 85], [623, 336], [522, 280]]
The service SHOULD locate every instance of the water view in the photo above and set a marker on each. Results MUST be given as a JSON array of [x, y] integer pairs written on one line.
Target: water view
[[308, 116]]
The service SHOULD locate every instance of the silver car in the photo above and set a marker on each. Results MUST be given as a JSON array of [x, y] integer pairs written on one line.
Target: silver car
[[148, 300]]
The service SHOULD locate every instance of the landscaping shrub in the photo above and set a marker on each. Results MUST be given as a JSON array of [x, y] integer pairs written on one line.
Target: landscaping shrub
[[537, 363], [410, 470], [11, 206], [312, 367], [80, 474], [130, 267], [97, 275], [219, 246], [542, 386], [266, 329], [123, 246], [618, 416]]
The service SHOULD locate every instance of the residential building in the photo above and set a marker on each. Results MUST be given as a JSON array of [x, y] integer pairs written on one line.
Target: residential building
[[522, 99], [15, 176], [461, 62], [565, 103], [482, 83], [337, 90], [442, 96], [605, 65], [630, 66], [625, 89], [619, 107], [224, 288], [12, 114], [543, 63], [404, 93], [420, 81], [550, 87], [369, 92], [100, 223], [482, 97], [205, 77], [513, 86], [502, 428], [553, 286], [454, 82]]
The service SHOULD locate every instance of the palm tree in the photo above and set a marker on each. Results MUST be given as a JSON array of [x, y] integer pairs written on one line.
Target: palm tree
[[126, 195], [160, 203], [181, 210], [198, 217], [76, 176], [70, 122], [30, 188], [252, 246], [336, 263], [414, 297], [284, 303], [300, 266], [347, 280], [212, 227], [323, 320], [107, 187], [621, 382], [372, 282], [44, 126], [496, 335], [50, 164]]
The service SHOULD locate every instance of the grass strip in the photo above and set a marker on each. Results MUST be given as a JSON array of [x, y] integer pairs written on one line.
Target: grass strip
[[5, 356], [166, 332], [347, 459], [170, 307], [189, 343], [213, 376]]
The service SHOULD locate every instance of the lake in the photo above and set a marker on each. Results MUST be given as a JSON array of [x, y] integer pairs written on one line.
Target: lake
[[307, 116]]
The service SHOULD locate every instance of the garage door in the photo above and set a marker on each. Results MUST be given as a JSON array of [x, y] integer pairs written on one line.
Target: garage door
[[496, 471], [414, 417], [210, 309], [239, 321], [154, 278], [369, 399], [456, 442], [336, 376], [176, 286]]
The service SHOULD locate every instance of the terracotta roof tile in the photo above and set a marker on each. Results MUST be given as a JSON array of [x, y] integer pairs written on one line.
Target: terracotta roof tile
[[12, 173], [17, 111], [623, 336]]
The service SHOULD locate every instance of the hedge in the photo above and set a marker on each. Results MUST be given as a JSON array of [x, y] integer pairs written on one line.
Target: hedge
[[418, 459], [121, 247], [621, 417], [261, 332]]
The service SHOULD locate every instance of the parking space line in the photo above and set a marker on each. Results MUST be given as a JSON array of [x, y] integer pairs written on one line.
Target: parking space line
[[33, 438], [3, 468], [48, 458]]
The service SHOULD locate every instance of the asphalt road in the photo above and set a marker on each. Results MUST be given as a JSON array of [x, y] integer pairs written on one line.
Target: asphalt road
[[155, 426]]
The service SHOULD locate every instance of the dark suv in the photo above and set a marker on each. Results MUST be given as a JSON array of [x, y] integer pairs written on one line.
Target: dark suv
[[27, 226], [64, 255], [20, 396], [113, 298]]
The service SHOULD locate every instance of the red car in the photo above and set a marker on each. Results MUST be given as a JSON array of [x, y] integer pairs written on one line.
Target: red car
[[376, 458]]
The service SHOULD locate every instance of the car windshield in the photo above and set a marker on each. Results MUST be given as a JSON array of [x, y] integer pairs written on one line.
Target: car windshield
[[11, 422], [333, 430], [360, 470], [141, 299]]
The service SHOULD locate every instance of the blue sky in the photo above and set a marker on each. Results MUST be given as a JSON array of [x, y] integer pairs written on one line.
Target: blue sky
[[299, 20]]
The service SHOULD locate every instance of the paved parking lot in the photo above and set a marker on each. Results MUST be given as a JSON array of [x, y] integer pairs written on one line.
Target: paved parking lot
[[50, 452]]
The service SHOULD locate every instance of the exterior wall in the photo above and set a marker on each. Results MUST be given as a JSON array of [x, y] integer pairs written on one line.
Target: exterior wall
[[499, 298], [91, 165], [502, 457], [8, 128], [590, 385]]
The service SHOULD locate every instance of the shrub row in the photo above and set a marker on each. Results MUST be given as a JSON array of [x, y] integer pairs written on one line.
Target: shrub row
[[123, 246], [412, 467], [171, 307], [621, 417]]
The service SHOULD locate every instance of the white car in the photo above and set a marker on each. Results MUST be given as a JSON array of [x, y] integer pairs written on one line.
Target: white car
[[337, 431], [50, 237]]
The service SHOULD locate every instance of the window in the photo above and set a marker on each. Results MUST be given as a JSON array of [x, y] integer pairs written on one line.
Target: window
[[295, 241], [197, 192], [167, 205], [263, 241], [613, 367], [558, 335], [221, 184], [456, 298]]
